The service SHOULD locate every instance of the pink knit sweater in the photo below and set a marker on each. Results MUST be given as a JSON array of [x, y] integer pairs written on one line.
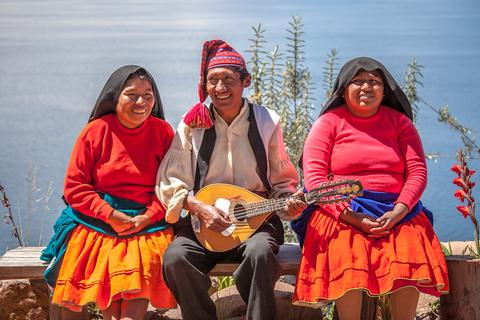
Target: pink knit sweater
[[383, 151]]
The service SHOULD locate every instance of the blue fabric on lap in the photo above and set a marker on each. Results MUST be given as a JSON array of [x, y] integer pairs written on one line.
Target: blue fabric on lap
[[70, 218], [372, 203], [376, 204]]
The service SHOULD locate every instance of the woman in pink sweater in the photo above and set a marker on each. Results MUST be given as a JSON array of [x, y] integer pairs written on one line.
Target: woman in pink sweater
[[381, 243]]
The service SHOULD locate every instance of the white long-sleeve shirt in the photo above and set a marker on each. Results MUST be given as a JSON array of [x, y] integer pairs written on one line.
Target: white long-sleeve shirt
[[232, 161]]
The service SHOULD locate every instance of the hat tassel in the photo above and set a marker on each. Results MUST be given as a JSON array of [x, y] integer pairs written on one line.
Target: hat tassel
[[198, 117]]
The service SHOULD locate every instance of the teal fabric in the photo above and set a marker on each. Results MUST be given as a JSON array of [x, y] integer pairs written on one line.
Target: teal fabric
[[71, 218]]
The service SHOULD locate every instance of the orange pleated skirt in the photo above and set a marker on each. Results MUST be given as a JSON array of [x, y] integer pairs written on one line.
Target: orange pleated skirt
[[337, 258], [101, 269]]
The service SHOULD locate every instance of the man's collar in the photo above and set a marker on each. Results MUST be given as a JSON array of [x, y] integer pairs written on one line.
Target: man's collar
[[243, 110]]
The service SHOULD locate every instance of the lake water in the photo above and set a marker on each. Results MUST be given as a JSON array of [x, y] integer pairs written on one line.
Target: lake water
[[55, 57]]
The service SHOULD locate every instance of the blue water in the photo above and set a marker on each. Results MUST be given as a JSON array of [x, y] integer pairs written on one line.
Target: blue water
[[56, 55]]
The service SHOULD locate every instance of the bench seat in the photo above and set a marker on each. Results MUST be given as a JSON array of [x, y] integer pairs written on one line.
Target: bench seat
[[24, 263]]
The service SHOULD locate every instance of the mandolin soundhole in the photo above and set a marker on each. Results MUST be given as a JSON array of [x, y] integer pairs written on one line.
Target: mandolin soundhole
[[240, 212]]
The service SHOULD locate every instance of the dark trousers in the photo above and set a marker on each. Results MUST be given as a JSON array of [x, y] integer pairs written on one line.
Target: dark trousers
[[186, 265]]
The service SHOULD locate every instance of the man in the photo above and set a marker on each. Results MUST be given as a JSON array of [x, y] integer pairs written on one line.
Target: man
[[232, 142]]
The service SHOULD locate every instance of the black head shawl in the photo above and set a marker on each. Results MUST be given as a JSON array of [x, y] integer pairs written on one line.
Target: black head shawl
[[394, 96], [107, 101]]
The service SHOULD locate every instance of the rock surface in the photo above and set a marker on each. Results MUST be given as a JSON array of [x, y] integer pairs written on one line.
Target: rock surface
[[28, 300], [23, 300], [231, 306], [170, 314]]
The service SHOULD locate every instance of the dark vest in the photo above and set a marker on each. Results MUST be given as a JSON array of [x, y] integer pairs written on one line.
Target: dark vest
[[208, 143]]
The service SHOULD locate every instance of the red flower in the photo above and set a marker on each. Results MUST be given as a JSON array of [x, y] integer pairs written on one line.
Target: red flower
[[464, 211], [469, 172], [459, 182], [457, 169], [460, 194]]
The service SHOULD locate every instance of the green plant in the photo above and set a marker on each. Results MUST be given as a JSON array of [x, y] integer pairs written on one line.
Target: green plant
[[328, 311], [37, 203], [447, 251], [435, 309], [283, 83], [329, 72], [289, 235], [257, 69], [466, 134], [93, 311], [297, 89], [413, 78], [8, 217], [225, 282], [383, 308], [273, 84]]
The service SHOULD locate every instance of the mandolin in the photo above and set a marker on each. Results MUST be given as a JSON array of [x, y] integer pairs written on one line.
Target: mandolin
[[248, 211]]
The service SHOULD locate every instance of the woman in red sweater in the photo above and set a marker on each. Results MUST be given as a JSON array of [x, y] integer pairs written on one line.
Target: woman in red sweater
[[109, 241], [383, 242]]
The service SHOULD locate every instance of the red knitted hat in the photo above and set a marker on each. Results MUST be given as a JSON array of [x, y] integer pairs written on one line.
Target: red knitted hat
[[215, 53]]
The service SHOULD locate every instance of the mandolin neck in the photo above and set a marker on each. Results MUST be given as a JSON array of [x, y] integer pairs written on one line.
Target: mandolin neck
[[265, 206], [331, 192]]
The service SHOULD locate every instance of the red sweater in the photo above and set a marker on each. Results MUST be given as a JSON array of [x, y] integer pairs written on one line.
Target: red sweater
[[383, 151], [122, 162]]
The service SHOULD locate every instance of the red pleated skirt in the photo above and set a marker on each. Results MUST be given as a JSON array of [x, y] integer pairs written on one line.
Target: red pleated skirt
[[100, 268], [337, 258]]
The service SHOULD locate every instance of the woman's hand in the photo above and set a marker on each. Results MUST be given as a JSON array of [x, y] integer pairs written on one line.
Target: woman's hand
[[364, 223], [293, 207], [140, 222], [369, 226], [119, 221], [213, 218], [391, 218]]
